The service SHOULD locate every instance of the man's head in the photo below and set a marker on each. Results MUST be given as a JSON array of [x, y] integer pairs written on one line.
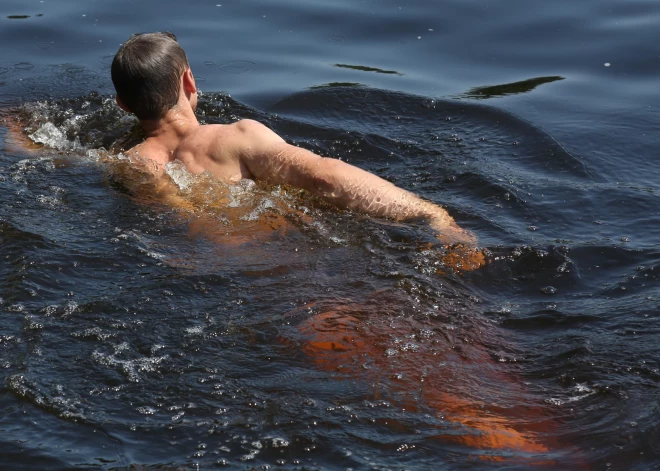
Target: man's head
[[146, 73]]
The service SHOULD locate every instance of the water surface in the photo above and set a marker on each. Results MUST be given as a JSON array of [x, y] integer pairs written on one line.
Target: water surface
[[136, 336]]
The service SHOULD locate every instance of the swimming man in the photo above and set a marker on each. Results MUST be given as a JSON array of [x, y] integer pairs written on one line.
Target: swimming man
[[153, 81]]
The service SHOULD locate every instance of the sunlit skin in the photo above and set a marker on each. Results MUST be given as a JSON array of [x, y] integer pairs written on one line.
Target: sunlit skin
[[249, 150]]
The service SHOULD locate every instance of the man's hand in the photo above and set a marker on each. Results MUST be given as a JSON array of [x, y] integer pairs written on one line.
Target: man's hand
[[452, 233]]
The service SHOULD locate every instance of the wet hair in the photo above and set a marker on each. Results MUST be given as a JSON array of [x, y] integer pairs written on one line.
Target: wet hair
[[146, 73]]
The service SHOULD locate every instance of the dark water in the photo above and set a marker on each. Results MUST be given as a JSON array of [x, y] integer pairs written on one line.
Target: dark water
[[136, 336]]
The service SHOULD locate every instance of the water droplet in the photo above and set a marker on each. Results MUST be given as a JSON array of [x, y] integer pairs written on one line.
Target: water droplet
[[549, 290], [607, 64], [533, 228]]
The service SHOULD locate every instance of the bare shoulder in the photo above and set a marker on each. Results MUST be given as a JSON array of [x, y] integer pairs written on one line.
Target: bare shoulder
[[256, 131], [248, 125], [241, 126], [214, 134], [242, 139]]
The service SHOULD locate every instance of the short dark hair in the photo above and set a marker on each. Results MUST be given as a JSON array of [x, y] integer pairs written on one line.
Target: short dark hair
[[146, 73]]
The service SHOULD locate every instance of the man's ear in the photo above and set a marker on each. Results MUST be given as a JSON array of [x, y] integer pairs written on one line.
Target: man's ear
[[189, 82], [122, 105]]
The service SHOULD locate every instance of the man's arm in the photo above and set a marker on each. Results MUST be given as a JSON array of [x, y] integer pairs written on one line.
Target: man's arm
[[269, 158], [16, 140]]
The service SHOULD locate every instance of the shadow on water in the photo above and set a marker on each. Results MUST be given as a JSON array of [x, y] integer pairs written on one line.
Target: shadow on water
[[266, 329]]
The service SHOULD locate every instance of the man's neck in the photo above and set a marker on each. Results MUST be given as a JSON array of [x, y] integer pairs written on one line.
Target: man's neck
[[172, 128]]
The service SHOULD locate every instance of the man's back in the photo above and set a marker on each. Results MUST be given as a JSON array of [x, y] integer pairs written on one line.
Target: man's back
[[215, 148]]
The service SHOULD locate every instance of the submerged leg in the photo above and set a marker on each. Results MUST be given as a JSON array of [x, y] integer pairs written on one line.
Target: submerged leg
[[338, 339]]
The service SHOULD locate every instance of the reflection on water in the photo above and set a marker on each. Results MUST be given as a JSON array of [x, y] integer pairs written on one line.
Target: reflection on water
[[363, 68], [514, 88], [233, 67], [255, 326], [338, 84]]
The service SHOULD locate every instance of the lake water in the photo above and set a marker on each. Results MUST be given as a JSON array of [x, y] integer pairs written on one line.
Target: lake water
[[266, 330]]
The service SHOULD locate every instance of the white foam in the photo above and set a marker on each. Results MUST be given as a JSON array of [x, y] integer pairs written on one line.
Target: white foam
[[180, 175], [241, 193], [279, 442], [146, 410], [583, 391], [96, 155], [261, 208], [130, 368], [50, 201], [198, 330], [51, 136]]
